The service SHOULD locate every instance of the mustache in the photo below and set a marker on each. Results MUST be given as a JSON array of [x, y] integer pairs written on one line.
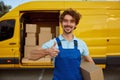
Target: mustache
[[68, 26]]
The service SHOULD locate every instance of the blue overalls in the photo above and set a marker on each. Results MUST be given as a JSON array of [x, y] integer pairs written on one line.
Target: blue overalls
[[67, 63]]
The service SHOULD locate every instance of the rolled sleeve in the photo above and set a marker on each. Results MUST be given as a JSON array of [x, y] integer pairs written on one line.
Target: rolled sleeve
[[48, 44], [83, 48]]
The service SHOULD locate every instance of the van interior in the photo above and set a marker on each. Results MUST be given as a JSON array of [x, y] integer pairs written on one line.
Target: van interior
[[43, 20]]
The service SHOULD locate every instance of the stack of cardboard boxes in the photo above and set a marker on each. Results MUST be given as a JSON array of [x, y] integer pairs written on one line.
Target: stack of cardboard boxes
[[30, 39], [36, 36], [44, 36]]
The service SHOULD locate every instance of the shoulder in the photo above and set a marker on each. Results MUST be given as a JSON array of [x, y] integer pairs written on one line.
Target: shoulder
[[49, 43], [83, 47], [80, 41]]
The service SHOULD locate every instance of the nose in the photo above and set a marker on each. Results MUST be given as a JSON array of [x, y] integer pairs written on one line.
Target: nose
[[68, 23]]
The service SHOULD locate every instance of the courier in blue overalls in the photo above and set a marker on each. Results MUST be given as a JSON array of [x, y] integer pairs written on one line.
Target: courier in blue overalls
[[68, 52], [67, 60], [67, 63]]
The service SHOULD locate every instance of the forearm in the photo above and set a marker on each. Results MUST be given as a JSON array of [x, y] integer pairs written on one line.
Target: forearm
[[37, 54]]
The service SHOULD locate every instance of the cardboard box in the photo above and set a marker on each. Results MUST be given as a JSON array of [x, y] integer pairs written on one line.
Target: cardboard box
[[91, 71], [27, 50], [48, 56], [31, 34], [31, 28], [44, 37], [33, 61], [47, 59], [45, 29], [57, 31], [30, 41], [41, 60]]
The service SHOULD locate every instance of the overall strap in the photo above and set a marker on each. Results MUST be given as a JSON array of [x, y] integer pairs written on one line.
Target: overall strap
[[59, 43], [75, 44]]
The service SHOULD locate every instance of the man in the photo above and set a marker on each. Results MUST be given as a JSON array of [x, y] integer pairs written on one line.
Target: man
[[66, 49]]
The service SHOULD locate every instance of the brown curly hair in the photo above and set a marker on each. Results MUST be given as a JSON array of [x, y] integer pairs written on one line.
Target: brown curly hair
[[71, 12]]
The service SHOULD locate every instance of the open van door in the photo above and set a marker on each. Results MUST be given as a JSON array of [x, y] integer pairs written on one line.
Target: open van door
[[45, 23]]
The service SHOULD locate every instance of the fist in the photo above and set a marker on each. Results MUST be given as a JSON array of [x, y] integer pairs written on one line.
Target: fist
[[53, 51]]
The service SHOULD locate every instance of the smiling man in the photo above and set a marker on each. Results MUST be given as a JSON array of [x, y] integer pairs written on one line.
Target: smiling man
[[66, 49]]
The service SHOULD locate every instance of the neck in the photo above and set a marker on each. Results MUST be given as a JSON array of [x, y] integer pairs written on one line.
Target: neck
[[68, 37]]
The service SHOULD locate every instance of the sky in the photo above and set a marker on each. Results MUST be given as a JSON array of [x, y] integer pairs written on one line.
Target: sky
[[14, 3]]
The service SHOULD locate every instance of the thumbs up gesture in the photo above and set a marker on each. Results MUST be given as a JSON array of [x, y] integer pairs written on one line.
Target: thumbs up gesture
[[53, 51]]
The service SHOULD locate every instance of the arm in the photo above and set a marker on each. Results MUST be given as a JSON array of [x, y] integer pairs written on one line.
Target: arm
[[89, 59], [85, 52], [38, 53]]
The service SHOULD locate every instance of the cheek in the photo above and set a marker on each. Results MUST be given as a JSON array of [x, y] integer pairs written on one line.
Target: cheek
[[73, 26], [63, 23]]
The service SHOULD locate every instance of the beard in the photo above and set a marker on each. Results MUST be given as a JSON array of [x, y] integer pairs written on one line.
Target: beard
[[68, 31]]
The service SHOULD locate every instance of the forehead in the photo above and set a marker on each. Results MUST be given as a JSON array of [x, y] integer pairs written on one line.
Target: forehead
[[69, 17]]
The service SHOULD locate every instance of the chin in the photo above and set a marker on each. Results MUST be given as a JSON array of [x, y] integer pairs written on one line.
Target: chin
[[68, 32]]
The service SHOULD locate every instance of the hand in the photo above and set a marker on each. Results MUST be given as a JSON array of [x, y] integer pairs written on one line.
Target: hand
[[53, 52]]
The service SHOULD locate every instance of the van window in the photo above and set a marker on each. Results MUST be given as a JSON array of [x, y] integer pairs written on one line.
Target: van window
[[6, 29]]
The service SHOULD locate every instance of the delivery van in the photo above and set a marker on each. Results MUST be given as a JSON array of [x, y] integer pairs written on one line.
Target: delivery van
[[31, 24]]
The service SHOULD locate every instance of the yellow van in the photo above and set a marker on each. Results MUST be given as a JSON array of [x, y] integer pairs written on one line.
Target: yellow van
[[99, 28]]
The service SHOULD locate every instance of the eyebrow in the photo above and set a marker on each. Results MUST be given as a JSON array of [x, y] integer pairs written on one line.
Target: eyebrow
[[70, 20]]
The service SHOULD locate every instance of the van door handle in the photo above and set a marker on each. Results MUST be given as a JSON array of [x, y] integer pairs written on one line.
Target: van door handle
[[107, 40], [12, 43]]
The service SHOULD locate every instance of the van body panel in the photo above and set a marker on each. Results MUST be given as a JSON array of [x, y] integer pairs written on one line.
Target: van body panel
[[99, 27]]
